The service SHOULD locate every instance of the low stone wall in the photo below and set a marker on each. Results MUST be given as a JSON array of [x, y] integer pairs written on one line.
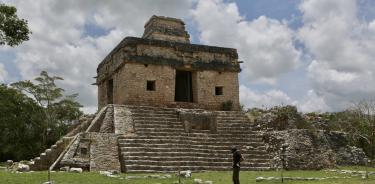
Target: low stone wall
[[73, 157], [107, 125], [93, 151]]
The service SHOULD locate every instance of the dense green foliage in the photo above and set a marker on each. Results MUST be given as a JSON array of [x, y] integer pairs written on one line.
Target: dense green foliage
[[13, 30], [358, 122], [57, 108], [21, 124], [34, 116], [246, 177]]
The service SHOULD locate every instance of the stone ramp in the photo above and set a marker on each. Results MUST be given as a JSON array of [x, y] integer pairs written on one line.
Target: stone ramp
[[161, 143]]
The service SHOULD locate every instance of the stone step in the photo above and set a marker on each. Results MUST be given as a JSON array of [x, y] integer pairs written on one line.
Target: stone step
[[173, 153], [227, 135], [188, 158], [136, 121], [190, 163], [151, 118], [152, 168], [187, 141], [195, 146], [253, 138], [153, 113], [185, 150], [157, 126], [149, 108]]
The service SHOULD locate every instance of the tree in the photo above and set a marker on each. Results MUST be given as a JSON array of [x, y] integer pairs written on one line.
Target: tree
[[21, 125], [57, 108], [364, 126], [359, 124], [13, 31]]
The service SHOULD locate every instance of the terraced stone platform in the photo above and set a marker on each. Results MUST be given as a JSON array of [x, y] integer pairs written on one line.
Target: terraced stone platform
[[153, 139], [161, 144]]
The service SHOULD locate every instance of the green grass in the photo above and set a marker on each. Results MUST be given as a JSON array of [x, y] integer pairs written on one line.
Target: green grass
[[246, 177]]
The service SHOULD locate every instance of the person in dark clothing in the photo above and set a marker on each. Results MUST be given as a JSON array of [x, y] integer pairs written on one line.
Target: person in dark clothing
[[237, 158]]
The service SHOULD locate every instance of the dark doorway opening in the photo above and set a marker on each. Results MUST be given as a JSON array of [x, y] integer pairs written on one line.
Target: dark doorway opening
[[184, 89], [110, 91]]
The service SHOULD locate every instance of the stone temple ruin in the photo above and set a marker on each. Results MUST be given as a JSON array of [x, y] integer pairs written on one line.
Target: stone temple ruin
[[160, 99], [161, 109]]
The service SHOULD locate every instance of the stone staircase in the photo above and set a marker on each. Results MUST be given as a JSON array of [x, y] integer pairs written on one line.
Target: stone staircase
[[46, 159], [161, 144]]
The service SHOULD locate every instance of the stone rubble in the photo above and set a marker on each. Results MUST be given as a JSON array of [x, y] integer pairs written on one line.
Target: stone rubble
[[260, 179], [76, 170], [185, 174], [23, 168], [307, 146]]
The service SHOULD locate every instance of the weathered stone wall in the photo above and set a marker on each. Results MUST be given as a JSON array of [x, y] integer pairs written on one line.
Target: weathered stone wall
[[123, 120], [137, 50], [104, 152], [130, 87], [72, 157], [165, 28], [206, 83], [93, 151]]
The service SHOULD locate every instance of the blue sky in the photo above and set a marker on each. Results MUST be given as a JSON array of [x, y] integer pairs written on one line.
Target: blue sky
[[315, 54]]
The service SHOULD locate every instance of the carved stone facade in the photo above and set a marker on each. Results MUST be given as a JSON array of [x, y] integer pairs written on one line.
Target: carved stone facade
[[163, 69]]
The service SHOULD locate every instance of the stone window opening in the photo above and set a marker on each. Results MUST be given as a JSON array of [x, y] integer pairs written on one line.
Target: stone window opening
[[151, 85], [218, 90]]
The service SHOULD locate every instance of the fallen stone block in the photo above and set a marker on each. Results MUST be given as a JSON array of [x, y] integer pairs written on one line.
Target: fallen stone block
[[76, 170], [23, 168]]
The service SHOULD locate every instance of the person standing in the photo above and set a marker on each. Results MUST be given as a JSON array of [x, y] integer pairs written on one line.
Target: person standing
[[237, 159]]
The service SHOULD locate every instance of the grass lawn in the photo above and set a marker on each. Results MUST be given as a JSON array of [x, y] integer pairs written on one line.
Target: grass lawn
[[246, 177]]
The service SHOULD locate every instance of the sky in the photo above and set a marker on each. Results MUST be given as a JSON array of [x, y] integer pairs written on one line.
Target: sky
[[315, 54]]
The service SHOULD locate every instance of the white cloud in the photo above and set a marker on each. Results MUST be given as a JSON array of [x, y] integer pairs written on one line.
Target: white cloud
[[250, 99], [342, 47], [3, 73], [313, 103], [58, 43], [266, 45]]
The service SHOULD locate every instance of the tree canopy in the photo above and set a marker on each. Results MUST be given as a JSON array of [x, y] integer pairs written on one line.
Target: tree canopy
[[13, 30], [21, 125], [33, 116]]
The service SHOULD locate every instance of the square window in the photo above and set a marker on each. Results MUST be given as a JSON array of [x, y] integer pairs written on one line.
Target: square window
[[219, 90], [151, 85]]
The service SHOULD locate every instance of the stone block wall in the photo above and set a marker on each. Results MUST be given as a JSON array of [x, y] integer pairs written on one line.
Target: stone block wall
[[130, 87], [93, 151], [131, 81], [206, 83], [104, 152]]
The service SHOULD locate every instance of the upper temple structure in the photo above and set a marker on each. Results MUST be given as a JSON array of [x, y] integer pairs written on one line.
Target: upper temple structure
[[164, 69]]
